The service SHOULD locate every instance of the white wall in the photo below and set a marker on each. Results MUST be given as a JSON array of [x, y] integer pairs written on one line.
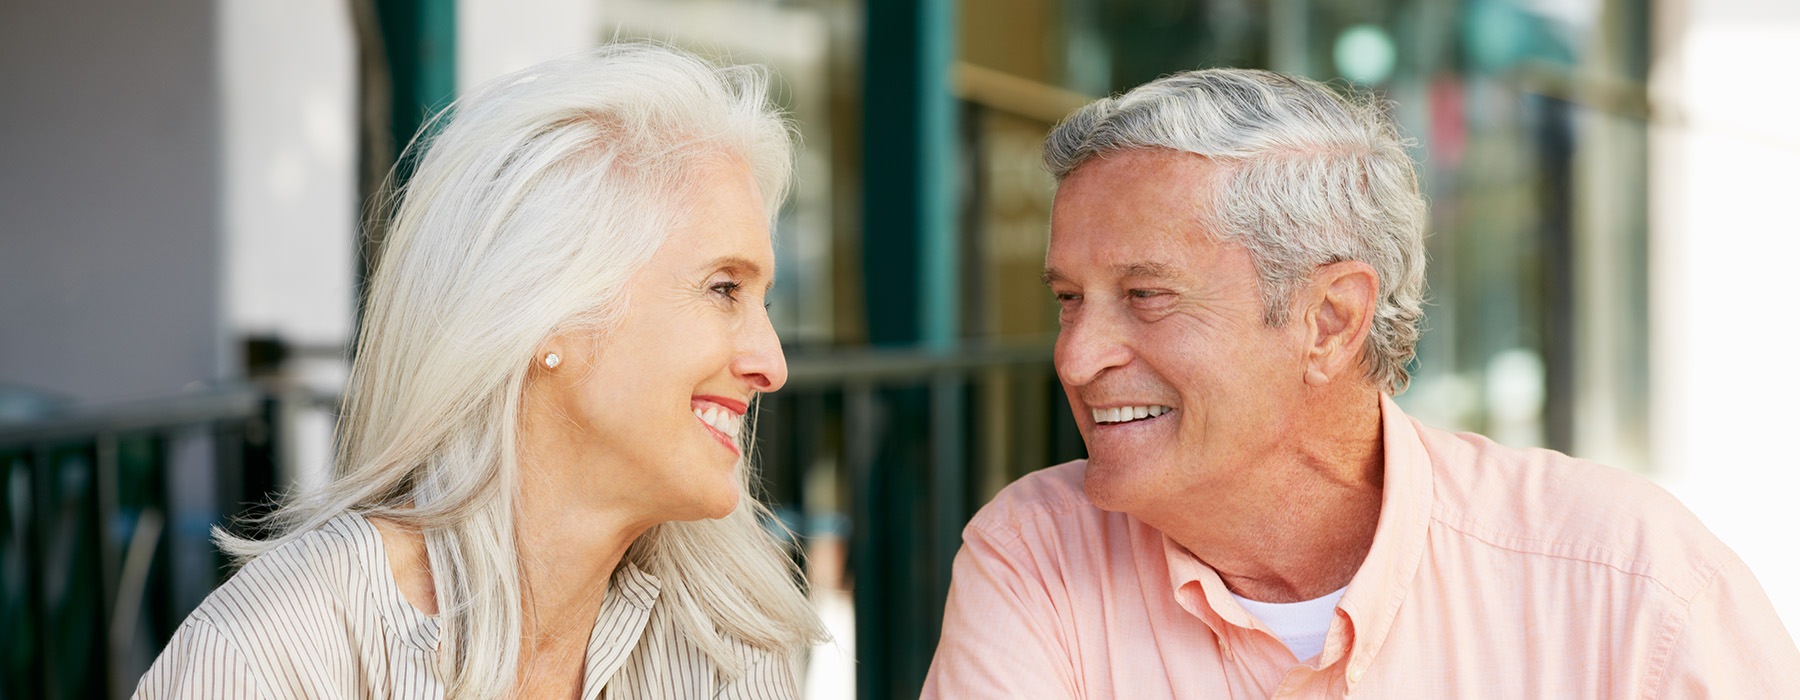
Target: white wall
[[1725, 257], [496, 37], [108, 198], [171, 178], [288, 84], [289, 202]]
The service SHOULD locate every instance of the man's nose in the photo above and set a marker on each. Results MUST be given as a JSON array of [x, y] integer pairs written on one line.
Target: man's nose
[[1087, 346]]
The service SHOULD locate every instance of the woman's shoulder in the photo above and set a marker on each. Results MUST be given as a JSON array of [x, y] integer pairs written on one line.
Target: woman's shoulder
[[306, 617], [767, 674], [328, 586], [314, 573], [665, 661]]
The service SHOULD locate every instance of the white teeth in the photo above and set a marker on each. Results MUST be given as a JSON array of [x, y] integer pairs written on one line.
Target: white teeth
[[721, 420], [1128, 413]]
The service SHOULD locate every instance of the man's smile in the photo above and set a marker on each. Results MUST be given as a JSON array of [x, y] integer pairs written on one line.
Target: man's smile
[[1128, 414]]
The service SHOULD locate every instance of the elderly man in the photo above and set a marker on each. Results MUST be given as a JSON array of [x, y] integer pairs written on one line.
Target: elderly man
[[1239, 263]]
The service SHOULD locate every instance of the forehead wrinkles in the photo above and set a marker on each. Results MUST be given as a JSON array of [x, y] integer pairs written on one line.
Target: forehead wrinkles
[[1166, 198], [1151, 250]]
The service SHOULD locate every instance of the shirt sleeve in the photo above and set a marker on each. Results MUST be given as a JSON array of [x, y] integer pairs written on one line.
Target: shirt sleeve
[[1000, 637], [199, 662], [1731, 644]]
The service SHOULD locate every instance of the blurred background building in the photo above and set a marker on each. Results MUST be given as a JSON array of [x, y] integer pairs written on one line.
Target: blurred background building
[[180, 260]]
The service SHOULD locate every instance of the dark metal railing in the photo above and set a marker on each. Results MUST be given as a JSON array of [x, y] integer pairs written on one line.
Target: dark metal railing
[[104, 521], [105, 515], [904, 445]]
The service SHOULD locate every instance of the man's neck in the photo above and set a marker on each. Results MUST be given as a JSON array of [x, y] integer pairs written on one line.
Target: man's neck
[[1295, 528]]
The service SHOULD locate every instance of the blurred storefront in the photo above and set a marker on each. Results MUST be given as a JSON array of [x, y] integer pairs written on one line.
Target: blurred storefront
[[1577, 154]]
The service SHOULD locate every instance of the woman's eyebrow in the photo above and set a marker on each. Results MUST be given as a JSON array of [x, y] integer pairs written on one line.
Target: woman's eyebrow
[[741, 265], [734, 263]]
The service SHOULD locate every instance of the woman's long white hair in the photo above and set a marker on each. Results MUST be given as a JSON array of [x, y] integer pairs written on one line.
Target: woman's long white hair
[[541, 195]]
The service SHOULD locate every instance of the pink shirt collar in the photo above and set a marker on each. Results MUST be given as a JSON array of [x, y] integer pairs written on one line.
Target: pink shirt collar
[[1368, 608]]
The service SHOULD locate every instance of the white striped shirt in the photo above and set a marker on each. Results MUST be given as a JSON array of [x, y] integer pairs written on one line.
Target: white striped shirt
[[322, 617]]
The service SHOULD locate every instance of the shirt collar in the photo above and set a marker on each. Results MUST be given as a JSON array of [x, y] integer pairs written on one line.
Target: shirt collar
[[1387, 574], [1373, 598], [619, 626]]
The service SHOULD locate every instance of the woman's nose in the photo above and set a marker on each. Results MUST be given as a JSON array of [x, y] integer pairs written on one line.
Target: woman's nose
[[760, 360]]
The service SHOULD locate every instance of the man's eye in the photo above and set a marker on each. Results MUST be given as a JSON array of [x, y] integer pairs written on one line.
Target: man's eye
[[1142, 293]]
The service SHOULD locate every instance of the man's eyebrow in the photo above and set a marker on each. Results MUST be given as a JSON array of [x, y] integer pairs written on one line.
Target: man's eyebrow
[[1152, 270], [1145, 269]]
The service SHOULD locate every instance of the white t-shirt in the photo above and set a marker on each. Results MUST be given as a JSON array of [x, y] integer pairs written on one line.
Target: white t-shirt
[[1301, 626]]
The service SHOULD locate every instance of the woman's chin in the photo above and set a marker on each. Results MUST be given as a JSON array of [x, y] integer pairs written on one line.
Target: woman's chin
[[723, 506], [711, 506]]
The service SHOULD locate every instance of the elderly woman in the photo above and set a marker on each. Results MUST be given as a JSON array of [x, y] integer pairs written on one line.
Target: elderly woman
[[541, 488]]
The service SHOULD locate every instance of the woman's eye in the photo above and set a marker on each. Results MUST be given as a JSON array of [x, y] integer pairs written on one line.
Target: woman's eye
[[728, 289]]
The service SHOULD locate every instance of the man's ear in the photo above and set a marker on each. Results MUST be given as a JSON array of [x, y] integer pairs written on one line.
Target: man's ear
[[1338, 311]]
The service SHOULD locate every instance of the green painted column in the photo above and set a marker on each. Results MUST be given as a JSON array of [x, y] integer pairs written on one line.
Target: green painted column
[[910, 174], [909, 506], [420, 41], [407, 49]]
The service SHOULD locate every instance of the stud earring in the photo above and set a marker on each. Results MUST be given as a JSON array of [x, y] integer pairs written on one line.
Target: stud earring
[[551, 360]]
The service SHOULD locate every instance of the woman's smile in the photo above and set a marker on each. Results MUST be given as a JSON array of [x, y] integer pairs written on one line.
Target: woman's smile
[[723, 418]]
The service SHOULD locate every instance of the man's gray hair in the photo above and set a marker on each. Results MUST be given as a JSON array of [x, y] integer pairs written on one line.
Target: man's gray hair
[[1309, 176]]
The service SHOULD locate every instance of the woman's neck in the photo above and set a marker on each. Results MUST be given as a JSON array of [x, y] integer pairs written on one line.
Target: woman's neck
[[565, 564], [567, 555]]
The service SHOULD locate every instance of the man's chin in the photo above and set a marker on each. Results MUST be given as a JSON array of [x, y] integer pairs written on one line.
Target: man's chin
[[1110, 488]]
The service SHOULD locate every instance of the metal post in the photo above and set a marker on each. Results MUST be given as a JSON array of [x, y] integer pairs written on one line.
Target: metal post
[[910, 252], [912, 277], [420, 38], [407, 49], [949, 475], [37, 534], [106, 509]]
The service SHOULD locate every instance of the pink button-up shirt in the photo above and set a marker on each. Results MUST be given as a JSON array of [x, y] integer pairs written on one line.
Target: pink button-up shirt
[[1495, 573]]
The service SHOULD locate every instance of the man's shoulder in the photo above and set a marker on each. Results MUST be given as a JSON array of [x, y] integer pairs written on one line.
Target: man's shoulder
[[1539, 502], [1048, 501], [1057, 486]]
